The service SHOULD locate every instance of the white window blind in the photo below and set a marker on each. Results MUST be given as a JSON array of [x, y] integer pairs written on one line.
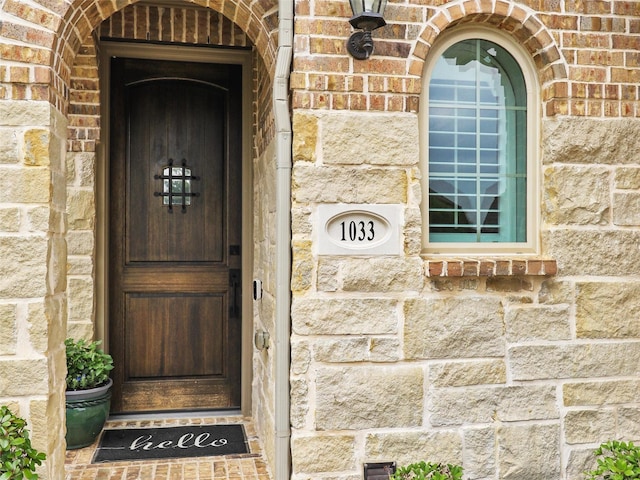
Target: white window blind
[[477, 146]]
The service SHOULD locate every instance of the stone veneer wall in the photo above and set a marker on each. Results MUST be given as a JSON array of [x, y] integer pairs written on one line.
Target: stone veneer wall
[[516, 369], [32, 272]]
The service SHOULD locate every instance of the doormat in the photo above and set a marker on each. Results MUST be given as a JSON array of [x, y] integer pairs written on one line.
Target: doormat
[[171, 442]]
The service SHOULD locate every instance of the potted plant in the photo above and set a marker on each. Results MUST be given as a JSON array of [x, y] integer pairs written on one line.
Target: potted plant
[[18, 459], [88, 395], [616, 461], [428, 471]]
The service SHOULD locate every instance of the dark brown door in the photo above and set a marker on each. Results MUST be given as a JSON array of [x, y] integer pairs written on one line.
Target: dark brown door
[[175, 184]]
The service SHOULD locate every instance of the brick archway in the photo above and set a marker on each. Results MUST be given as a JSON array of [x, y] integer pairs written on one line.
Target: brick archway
[[513, 19], [45, 39]]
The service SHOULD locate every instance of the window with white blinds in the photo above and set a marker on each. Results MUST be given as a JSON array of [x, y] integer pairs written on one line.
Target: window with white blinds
[[477, 146]]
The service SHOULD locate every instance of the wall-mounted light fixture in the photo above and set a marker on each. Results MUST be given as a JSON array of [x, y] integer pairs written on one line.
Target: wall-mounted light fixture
[[367, 16]]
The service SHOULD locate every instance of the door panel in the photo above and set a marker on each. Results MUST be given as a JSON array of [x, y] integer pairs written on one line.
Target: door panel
[[159, 327], [157, 135], [174, 327]]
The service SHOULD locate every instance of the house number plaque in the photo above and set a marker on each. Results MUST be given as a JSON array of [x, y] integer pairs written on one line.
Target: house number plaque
[[366, 229]]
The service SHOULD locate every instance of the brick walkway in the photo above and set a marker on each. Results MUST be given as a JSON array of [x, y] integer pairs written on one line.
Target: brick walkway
[[249, 466]]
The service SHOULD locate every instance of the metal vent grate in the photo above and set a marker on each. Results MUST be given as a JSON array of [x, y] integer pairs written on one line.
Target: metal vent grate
[[379, 471]]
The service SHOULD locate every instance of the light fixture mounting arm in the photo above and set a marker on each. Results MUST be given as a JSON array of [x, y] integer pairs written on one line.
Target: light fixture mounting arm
[[360, 44]]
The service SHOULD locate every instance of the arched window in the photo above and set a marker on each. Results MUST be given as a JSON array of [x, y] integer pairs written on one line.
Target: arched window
[[479, 122]]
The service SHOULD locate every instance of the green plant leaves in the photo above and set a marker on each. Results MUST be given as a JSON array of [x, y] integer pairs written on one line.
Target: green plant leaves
[[616, 461], [18, 459], [428, 471], [87, 365]]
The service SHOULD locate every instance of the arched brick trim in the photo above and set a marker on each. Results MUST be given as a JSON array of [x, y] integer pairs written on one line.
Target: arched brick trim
[[55, 31], [508, 17]]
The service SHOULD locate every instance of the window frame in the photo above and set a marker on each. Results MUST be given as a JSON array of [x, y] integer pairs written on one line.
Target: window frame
[[533, 105]]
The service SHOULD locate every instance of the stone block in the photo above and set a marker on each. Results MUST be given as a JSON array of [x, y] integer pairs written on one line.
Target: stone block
[[301, 266], [301, 221], [80, 243], [300, 356], [8, 329], [359, 397], [38, 328], [384, 349], [10, 219], [368, 138], [627, 178], [9, 150], [628, 426], [607, 310], [413, 226], [81, 168], [414, 446], [626, 209], [533, 362], [299, 394], [27, 185], [36, 147], [328, 275], [460, 406], [592, 252], [453, 328], [24, 267], [382, 275], [80, 330], [590, 141], [579, 462], [527, 452], [348, 185], [348, 316], [23, 377], [81, 209], [555, 292], [600, 393], [57, 279], [460, 374], [37, 423], [589, 426], [81, 299], [341, 350], [38, 219], [323, 453], [538, 323], [20, 113], [576, 195], [79, 266], [305, 137], [479, 452]]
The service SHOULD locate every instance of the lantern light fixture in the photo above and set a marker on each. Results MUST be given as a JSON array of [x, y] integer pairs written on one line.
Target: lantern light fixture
[[367, 16]]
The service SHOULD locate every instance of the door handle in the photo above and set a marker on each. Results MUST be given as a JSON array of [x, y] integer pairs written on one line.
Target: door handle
[[234, 286]]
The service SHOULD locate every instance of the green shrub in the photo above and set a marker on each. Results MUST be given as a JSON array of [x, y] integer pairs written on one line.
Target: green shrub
[[87, 365], [428, 471], [18, 460], [616, 461]]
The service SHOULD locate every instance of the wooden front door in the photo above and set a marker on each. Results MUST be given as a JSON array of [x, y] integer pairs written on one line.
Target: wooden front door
[[175, 235]]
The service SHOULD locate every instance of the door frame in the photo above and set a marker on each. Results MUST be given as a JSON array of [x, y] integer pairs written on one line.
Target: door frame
[[235, 56]]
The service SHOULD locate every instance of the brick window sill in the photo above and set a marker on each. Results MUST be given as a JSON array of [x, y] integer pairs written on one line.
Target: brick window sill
[[506, 267]]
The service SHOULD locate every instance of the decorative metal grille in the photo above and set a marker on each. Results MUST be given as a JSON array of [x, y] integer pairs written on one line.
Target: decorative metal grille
[[176, 186]]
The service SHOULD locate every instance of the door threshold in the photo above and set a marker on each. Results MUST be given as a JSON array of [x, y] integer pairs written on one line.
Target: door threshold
[[138, 416]]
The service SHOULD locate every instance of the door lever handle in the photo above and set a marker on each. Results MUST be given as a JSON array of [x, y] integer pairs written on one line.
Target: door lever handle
[[234, 283]]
